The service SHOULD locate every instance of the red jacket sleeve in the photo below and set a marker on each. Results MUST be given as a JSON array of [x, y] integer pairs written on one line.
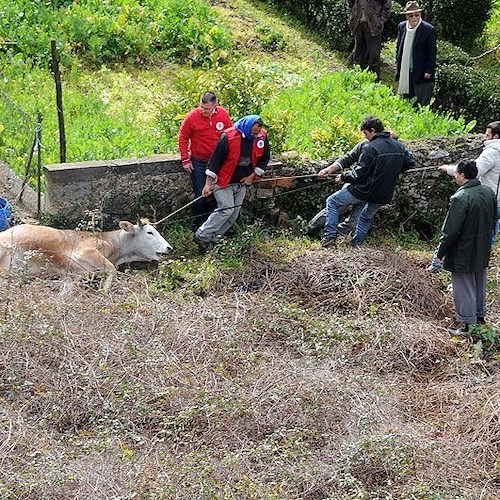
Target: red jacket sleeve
[[184, 138]]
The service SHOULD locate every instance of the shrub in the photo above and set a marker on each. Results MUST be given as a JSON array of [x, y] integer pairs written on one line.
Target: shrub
[[30, 25], [329, 18], [242, 87], [190, 31], [466, 24], [492, 28], [320, 116], [447, 53], [468, 92], [117, 31]]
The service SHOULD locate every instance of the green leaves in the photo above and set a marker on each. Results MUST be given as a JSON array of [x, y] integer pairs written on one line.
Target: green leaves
[[116, 31], [320, 116]]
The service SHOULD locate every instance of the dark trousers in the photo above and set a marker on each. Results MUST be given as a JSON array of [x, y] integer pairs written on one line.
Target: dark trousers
[[367, 49], [204, 206], [469, 295], [422, 91]]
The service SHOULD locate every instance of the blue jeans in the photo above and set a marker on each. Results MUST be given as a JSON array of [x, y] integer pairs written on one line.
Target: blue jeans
[[337, 202], [204, 206]]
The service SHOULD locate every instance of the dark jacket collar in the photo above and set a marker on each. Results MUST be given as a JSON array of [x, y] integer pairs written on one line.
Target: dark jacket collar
[[470, 183], [384, 134]]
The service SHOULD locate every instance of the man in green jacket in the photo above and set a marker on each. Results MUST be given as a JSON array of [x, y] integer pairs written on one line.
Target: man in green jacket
[[465, 245]]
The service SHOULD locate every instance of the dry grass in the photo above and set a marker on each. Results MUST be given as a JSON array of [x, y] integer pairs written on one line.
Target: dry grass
[[327, 376]]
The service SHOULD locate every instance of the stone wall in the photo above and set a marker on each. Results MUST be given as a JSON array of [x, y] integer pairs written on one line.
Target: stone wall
[[421, 199], [110, 191], [156, 186]]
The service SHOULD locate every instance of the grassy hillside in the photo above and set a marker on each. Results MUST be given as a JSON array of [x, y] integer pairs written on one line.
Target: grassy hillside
[[126, 90]]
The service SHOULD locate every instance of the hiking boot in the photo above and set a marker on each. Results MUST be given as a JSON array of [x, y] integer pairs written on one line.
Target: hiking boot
[[459, 329], [328, 242], [204, 246], [480, 320], [316, 224]]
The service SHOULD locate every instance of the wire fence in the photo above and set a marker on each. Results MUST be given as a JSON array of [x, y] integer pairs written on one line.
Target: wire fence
[[20, 142]]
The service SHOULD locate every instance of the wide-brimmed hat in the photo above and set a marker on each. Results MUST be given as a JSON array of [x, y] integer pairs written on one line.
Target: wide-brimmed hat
[[411, 8]]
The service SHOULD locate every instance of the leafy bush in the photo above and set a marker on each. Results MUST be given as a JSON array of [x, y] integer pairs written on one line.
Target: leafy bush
[[467, 22], [491, 34], [321, 115], [486, 340], [190, 31], [31, 25], [329, 18], [468, 92], [447, 53], [117, 31], [242, 87]]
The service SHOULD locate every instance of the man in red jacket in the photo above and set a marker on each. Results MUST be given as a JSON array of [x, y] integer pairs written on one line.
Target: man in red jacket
[[240, 156], [199, 132]]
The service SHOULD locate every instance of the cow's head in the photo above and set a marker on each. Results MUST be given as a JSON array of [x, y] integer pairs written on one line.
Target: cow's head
[[144, 241]]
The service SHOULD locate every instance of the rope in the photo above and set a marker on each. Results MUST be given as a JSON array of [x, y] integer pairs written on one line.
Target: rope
[[411, 170], [177, 211], [293, 177], [234, 206]]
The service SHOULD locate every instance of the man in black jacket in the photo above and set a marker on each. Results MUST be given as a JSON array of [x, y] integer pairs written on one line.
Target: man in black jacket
[[371, 181]]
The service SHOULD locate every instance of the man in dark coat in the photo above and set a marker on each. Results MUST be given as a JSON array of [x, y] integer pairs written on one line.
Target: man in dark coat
[[370, 183], [415, 56], [465, 245], [366, 19]]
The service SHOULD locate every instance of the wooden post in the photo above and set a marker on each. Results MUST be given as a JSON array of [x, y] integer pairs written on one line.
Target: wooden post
[[39, 165], [59, 102]]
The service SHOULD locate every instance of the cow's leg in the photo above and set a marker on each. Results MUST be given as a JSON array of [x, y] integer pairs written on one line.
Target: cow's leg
[[94, 262]]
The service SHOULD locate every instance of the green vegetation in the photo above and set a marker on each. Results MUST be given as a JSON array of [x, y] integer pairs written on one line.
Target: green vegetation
[[268, 368], [321, 114], [312, 109], [491, 35], [329, 17], [115, 31]]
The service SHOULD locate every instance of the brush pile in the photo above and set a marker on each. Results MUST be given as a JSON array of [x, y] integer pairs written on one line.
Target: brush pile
[[330, 375]]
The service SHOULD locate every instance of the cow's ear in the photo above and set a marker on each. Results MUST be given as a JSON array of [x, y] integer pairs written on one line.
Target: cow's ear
[[127, 226]]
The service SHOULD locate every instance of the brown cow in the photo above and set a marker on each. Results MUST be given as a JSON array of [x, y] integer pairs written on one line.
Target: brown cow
[[45, 250]]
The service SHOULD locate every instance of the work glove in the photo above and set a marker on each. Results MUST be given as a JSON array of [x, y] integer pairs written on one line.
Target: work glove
[[435, 266]]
